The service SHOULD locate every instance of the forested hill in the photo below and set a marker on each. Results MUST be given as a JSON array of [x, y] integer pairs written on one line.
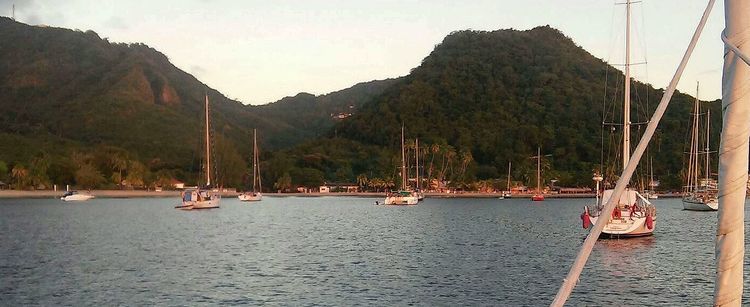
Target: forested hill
[[487, 98], [310, 116], [66, 92]]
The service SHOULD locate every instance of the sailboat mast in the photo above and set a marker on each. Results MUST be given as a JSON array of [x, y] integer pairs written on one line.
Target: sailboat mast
[[509, 176], [403, 161], [626, 104], [708, 148], [692, 183], [416, 149], [539, 169], [256, 171], [733, 160], [208, 149]]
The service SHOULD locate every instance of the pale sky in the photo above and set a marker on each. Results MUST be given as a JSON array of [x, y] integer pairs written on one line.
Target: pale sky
[[261, 51]]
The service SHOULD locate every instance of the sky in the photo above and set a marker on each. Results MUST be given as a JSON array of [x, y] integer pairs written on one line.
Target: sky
[[261, 51]]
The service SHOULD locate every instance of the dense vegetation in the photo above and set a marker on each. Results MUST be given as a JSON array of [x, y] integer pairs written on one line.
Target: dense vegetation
[[79, 109], [65, 93], [482, 99]]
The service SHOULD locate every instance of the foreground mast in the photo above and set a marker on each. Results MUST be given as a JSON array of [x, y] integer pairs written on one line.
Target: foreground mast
[[733, 152]]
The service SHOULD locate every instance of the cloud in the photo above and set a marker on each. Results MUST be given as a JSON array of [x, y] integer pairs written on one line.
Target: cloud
[[116, 23]]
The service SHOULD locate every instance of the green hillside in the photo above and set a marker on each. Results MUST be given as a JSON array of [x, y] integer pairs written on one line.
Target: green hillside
[[66, 92], [481, 99]]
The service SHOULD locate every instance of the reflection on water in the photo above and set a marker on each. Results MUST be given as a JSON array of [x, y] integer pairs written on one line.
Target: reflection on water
[[342, 251]]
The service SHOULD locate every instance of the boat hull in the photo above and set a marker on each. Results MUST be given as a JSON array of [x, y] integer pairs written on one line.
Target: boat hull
[[693, 204], [625, 227], [250, 197], [199, 199], [198, 205], [77, 197], [537, 198], [401, 200]]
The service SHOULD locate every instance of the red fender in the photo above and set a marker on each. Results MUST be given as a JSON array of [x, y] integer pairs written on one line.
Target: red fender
[[586, 220], [649, 222]]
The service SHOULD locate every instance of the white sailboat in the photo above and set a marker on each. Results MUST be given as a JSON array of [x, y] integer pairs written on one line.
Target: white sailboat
[[633, 215], [255, 195], [403, 196], [699, 194], [202, 198], [506, 193]]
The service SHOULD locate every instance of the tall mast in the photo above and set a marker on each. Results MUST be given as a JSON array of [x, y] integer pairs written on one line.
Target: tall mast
[[508, 177], [416, 149], [208, 150], [256, 171], [733, 160], [539, 169], [626, 105], [708, 148], [692, 183], [403, 161]]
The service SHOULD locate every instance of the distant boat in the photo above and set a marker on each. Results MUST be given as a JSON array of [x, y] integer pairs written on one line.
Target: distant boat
[[404, 196], [506, 193], [538, 195], [76, 196], [699, 194], [633, 215], [202, 198], [255, 195]]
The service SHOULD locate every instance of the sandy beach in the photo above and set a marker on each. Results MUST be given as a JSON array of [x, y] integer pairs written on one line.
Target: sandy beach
[[144, 193]]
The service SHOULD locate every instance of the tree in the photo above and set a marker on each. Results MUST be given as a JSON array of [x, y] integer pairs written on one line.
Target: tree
[[20, 176], [362, 181], [137, 173], [3, 170], [38, 170], [284, 183], [88, 177]]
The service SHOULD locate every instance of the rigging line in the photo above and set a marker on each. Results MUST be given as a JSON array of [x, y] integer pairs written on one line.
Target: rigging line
[[575, 271]]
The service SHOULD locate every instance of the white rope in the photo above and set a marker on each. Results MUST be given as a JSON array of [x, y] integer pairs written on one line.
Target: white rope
[[733, 155], [575, 271], [734, 49]]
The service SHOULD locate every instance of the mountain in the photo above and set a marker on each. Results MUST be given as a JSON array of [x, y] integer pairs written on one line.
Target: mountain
[[66, 92], [310, 116], [484, 98]]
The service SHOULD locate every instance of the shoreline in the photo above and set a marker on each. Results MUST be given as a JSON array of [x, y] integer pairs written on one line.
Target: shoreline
[[9, 194]]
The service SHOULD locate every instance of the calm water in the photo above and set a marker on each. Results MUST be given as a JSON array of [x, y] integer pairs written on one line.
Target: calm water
[[341, 251]]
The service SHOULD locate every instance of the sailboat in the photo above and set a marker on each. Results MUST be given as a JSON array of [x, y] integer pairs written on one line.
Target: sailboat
[[403, 196], [255, 195], [538, 195], [202, 198], [506, 193], [634, 215], [699, 194]]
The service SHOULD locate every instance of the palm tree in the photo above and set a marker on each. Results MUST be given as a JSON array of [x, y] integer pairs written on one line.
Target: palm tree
[[20, 174], [118, 163], [466, 158], [434, 149], [362, 181]]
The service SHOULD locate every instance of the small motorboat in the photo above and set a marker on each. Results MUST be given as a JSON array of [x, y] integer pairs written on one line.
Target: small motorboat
[[76, 196]]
